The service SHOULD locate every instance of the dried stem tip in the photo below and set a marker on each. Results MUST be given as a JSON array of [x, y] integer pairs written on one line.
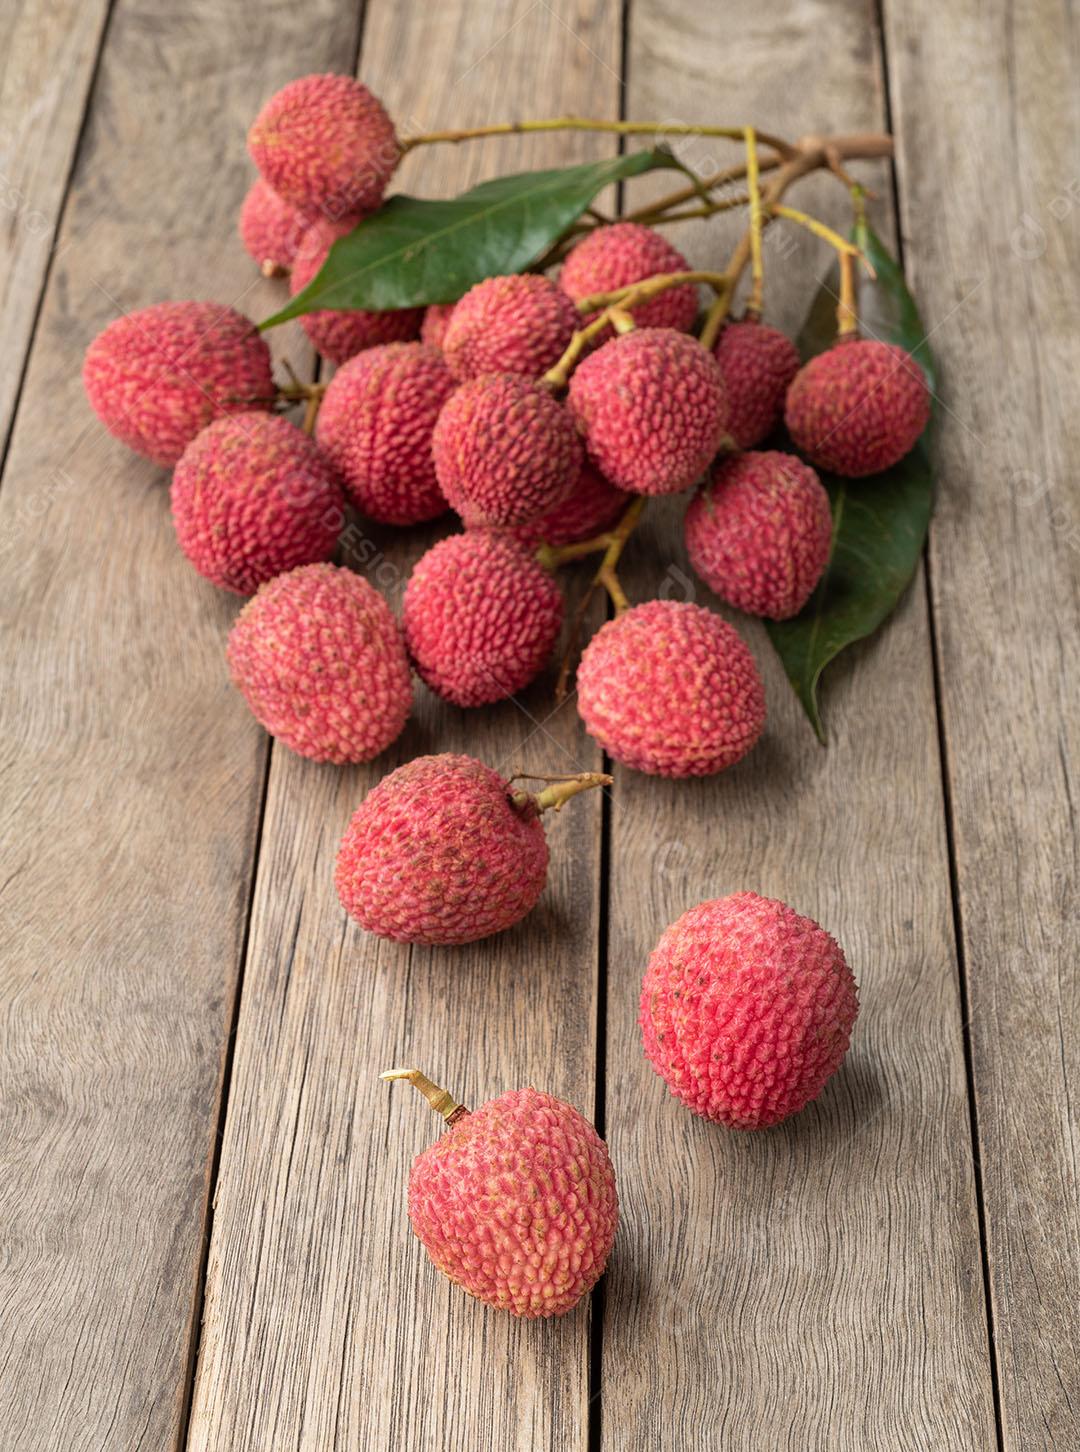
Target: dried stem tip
[[438, 1098], [560, 791]]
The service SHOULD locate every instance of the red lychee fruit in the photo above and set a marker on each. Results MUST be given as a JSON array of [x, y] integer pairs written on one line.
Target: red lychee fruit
[[321, 661], [505, 450], [436, 321], [746, 1010], [652, 407], [325, 144], [252, 497], [271, 229], [591, 506], [156, 377], [516, 1203], [481, 617], [759, 531], [518, 324], [627, 252], [375, 425], [445, 851], [758, 364], [669, 688], [339, 333], [858, 408]]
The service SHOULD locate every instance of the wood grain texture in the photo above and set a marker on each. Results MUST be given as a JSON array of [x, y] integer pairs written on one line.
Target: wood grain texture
[[816, 1286], [325, 1324], [985, 104], [132, 773], [47, 53]]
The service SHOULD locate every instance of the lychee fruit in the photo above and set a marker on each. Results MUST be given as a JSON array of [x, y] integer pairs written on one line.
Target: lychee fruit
[[375, 424], [252, 497], [516, 1203], [339, 333], [747, 1010], [505, 450], [481, 617], [858, 408], [624, 253], [758, 533], [436, 321], [325, 144], [321, 661], [591, 507], [271, 229], [758, 364], [517, 324], [444, 850], [156, 377], [669, 688], [653, 409]]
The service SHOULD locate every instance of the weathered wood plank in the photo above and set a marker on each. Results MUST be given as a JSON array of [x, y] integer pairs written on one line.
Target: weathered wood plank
[[48, 54], [985, 103], [816, 1286], [134, 770], [325, 1325]]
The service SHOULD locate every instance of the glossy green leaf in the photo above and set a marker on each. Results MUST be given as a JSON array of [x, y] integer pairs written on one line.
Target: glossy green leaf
[[413, 252], [879, 523]]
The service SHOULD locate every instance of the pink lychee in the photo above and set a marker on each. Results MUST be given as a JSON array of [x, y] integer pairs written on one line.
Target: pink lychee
[[758, 364], [271, 229], [627, 252], [436, 321], [339, 333], [592, 505], [517, 324]]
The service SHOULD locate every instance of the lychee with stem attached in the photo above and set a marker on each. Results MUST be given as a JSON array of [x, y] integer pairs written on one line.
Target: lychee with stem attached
[[505, 451], [376, 424], [321, 661], [517, 324], [747, 1010], [436, 321], [340, 333], [591, 506], [616, 256], [158, 376], [858, 408], [759, 531], [481, 617], [252, 497], [653, 410], [444, 850], [669, 688], [516, 1203], [325, 144], [271, 229], [758, 364]]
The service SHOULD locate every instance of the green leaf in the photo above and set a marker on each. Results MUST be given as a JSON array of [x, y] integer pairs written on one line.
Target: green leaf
[[879, 523], [413, 252]]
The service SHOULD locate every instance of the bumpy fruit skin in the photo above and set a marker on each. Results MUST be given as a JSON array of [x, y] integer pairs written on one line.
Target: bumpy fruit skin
[[588, 509], [858, 408], [518, 324], [624, 253], [758, 533], [517, 1204], [670, 689], [271, 229], [481, 617], [156, 377], [652, 407], [505, 451], [436, 321], [320, 660], [438, 853], [758, 364], [375, 425], [252, 497], [325, 144], [340, 333], [746, 1010]]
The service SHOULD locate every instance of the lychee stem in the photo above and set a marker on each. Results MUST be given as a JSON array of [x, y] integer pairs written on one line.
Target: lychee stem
[[639, 292], [847, 317], [311, 413], [438, 1098], [560, 791], [819, 229], [586, 123], [757, 265], [607, 577]]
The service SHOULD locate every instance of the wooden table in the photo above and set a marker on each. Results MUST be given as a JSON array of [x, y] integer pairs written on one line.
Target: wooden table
[[202, 1209]]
